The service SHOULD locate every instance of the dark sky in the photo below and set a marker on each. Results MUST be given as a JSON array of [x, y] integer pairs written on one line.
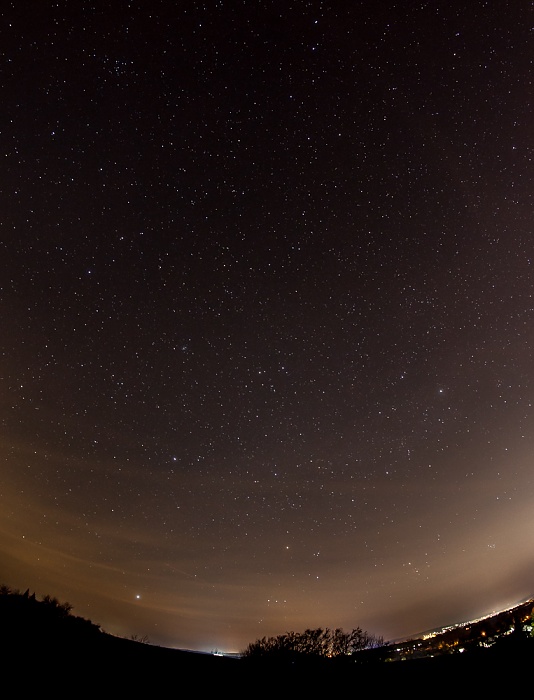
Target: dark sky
[[267, 315]]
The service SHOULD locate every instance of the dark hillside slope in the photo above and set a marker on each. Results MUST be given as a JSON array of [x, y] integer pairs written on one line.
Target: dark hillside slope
[[43, 647]]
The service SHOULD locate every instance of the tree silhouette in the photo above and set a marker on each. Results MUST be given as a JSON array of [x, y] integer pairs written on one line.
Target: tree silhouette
[[316, 643], [61, 609]]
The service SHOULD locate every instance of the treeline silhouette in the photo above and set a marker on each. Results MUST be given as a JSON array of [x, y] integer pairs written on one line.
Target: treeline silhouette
[[26, 619], [312, 645]]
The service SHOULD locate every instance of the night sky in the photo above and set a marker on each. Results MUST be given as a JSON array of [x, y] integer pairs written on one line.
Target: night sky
[[267, 314]]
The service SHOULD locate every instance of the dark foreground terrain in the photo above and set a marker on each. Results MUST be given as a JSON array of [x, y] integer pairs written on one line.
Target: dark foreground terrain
[[44, 649], [112, 666]]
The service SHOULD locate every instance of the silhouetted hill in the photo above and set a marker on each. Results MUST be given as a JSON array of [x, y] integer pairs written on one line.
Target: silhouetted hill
[[44, 647]]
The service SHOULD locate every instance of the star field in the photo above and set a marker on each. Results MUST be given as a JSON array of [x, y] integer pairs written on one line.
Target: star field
[[266, 299]]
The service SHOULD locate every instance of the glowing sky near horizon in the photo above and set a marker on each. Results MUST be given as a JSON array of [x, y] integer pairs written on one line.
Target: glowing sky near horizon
[[267, 317]]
